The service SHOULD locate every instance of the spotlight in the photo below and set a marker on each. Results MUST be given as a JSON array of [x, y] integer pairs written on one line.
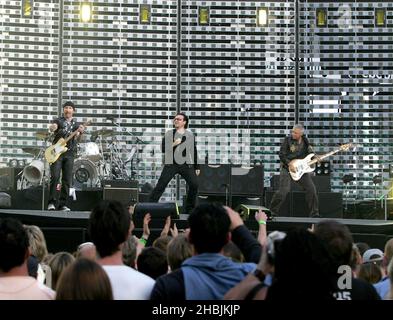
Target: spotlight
[[13, 163], [203, 16], [321, 17], [262, 17], [144, 14], [323, 168], [27, 8], [380, 17], [21, 163], [86, 12]]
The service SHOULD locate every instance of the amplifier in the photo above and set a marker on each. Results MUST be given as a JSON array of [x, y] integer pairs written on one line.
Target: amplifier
[[123, 191]]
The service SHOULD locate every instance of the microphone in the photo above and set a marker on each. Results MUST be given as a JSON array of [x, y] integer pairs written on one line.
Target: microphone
[[110, 118]]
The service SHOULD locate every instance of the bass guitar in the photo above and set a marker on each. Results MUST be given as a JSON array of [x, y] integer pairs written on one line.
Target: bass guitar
[[307, 164]]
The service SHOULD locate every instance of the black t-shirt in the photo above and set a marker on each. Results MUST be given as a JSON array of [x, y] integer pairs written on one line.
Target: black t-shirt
[[64, 130], [291, 149], [360, 290]]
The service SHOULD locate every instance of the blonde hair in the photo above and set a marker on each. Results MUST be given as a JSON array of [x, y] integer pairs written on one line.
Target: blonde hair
[[37, 242]]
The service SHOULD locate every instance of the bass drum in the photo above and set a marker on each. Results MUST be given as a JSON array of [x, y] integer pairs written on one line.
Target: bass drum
[[90, 150], [84, 174]]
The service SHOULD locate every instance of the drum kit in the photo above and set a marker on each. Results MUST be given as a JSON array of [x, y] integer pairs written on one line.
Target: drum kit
[[98, 159]]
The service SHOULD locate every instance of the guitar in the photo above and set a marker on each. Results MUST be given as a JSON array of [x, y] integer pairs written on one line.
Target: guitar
[[302, 166], [53, 152]]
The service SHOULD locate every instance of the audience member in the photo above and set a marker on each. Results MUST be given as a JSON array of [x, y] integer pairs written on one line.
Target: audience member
[[84, 279], [15, 282], [179, 249], [110, 227], [338, 241], [87, 250], [208, 274], [152, 262], [59, 262]]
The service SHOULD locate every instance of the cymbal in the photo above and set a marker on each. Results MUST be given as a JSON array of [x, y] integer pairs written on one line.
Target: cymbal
[[103, 133], [32, 150], [43, 134]]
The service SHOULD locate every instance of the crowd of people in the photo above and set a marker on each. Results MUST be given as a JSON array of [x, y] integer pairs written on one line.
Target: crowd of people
[[215, 258]]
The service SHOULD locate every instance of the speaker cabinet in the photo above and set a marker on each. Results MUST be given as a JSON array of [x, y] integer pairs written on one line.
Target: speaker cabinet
[[158, 210], [322, 183], [247, 181], [330, 204], [214, 179], [125, 192], [9, 178]]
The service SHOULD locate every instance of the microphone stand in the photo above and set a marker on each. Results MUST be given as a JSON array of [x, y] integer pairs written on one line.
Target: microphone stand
[[138, 142]]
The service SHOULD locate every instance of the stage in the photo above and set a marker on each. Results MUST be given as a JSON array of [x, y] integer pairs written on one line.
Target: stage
[[64, 231]]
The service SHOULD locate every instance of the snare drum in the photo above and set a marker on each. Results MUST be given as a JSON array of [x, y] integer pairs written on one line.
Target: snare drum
[[90, 150]]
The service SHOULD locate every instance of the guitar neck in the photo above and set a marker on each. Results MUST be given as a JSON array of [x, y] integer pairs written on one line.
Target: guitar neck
[[324, 156]]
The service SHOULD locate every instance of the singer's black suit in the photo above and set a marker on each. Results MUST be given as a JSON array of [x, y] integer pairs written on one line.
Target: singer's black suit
[[173, 167]]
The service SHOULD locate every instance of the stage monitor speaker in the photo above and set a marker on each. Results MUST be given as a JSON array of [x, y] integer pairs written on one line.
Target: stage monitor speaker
[[247, 211], [214, 179], [158, 210], [247, 181], [126, 195]]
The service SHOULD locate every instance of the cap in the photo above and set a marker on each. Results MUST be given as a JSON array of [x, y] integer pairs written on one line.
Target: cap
[[372, 255]]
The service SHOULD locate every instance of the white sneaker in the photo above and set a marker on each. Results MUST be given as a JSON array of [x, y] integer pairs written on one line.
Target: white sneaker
[[51, 207], [64, 208]]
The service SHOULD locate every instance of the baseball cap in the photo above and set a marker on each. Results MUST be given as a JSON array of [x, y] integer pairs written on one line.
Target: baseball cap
[[372, 255]]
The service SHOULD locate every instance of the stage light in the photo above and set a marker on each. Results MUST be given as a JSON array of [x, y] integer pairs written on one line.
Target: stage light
[[27, 8], [323, 168], [86, 12], [262, 17], [203, 16], [21, 163], [13, 163], [144, 14], [380, 17], [321, 17]]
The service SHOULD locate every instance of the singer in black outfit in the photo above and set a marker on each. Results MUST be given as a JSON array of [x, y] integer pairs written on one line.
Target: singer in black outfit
[[179, 148], [62, 128], [295, 146]]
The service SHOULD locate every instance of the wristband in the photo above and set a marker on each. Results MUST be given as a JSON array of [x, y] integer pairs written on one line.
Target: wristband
[[142, 241], [262, 222]]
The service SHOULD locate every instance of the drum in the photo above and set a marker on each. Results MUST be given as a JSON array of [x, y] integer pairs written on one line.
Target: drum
[[34, 171], [90, 150], [85, 173]]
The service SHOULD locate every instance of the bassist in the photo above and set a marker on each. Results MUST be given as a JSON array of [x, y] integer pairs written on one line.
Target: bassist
[[295, 146], [62, 128]]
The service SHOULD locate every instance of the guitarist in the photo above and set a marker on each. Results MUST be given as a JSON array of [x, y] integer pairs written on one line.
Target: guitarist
[[62, 128], [295, 146]]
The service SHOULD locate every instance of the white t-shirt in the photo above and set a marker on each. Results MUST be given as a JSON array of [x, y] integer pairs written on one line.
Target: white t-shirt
[[24, 288], [129, 284]]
